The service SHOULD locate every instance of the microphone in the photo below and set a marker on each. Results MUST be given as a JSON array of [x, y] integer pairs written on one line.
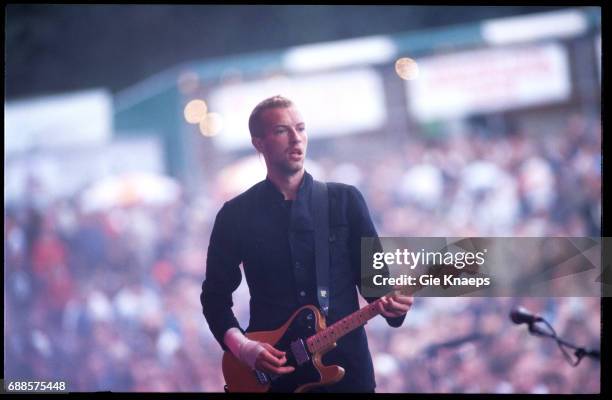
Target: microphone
[[520, 315]]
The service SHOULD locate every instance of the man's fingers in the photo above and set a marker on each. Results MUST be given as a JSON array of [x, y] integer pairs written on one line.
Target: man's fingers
[[403, 299], [382, 308], [390, 307], [273, 360], [268, 362], [273, 350], [267, 367], [395, 305], [381, 305]]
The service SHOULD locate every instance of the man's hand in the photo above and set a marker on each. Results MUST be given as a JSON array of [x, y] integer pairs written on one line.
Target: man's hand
[[257, 355], [271, 360], [395, 305]]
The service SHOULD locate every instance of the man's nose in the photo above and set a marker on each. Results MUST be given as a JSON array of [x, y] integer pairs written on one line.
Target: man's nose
[[294, 136]]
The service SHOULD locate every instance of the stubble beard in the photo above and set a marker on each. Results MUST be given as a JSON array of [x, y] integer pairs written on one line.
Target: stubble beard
[[289, 167]]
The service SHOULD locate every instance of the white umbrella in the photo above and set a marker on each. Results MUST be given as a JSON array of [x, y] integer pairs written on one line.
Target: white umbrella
[[135, 188]]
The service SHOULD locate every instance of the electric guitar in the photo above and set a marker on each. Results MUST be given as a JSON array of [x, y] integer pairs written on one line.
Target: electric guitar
[[305, 338]]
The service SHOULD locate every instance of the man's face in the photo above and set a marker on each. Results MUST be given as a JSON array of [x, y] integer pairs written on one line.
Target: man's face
[[284, 140]]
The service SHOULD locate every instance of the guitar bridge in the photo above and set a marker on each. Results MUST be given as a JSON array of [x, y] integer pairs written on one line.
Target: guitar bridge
[[299, 351]]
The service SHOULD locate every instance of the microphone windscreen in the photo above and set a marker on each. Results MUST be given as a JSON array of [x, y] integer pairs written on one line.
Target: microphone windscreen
[[520, 315]]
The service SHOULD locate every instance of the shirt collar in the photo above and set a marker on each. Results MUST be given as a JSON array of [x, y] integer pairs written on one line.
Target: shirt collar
[[301, 216], [273, 194]]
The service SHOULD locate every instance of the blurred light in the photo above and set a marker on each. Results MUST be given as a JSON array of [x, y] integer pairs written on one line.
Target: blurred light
[[41, 342], [375, 49], [348, 173], [188, 82], [231, 76], [82, 118], [385, 364], [195, 111], [278, 78], [168, 342], [564, 23], [406, 68], [212, 124], [99, 307], [240, 175], [424, 184]]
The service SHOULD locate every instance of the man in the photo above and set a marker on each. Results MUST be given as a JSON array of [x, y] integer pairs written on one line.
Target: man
[[269, 229]]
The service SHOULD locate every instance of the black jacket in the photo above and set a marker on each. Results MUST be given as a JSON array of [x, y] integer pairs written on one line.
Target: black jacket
[[254, 229]]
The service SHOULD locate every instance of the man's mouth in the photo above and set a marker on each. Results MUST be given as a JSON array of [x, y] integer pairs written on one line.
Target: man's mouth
[[296, 152]]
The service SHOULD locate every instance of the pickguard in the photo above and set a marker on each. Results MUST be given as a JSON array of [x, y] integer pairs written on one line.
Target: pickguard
[[301, 327]]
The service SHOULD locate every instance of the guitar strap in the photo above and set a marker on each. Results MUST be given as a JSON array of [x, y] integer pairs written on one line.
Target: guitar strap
[[320, 209]]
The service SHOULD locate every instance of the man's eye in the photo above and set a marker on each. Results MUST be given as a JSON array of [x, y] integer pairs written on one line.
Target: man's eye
[[280, 131]]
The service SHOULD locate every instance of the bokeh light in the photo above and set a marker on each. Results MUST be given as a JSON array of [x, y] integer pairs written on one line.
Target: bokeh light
[[188, 82], [406, 68], [212, 124], [195, 111]]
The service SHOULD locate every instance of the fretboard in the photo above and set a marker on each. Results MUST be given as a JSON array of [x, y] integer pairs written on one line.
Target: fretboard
[[325, 338]]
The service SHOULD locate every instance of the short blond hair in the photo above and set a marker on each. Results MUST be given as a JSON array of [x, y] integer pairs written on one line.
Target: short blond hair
[[277, 101]]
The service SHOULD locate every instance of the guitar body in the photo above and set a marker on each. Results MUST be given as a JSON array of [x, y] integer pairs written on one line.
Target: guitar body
[[291, 338]]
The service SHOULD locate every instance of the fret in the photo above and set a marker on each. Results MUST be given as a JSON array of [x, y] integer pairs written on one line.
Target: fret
[[332, 333]]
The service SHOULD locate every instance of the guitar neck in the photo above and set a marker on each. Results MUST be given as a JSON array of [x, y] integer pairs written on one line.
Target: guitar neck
[[328, 336]]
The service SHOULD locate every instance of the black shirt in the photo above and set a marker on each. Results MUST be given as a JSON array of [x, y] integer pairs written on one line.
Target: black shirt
[[273, 239]]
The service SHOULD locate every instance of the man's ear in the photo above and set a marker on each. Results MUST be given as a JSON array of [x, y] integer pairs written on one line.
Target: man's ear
[[257, 143]]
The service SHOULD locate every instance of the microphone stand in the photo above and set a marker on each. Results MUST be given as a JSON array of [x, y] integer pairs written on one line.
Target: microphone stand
[[579, 352]]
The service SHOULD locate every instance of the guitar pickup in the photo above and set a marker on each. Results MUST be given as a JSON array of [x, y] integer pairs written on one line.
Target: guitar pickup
[[299, 351]]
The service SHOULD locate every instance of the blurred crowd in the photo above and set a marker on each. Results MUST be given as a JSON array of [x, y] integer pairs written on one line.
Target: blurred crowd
[[109, 299]]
